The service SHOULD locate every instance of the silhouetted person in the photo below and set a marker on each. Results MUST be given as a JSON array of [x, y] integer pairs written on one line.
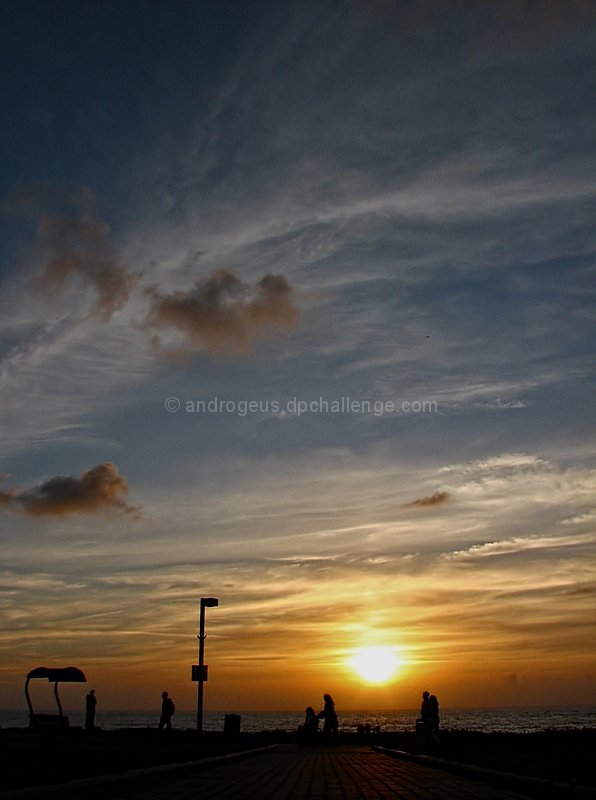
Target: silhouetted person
[[429, 717], [425, 708], [90, 703], [434, 719], [330, 726], [308, 731], [167, 711]]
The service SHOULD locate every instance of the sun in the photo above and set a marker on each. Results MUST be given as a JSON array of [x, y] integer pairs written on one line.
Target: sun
[[375, 664]]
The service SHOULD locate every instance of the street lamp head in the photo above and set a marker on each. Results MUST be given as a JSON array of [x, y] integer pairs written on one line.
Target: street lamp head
[[209, 602]]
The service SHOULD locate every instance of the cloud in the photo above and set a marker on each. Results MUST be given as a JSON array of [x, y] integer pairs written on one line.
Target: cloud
[[504, 464], [79, 245], [518, 544], [579, 519], [98, 488], [220, 313], [39, 197], [489, 23], [436, 499]]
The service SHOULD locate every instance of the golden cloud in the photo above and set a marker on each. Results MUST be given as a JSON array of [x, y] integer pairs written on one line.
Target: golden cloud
[[79, 245], [220, 313]]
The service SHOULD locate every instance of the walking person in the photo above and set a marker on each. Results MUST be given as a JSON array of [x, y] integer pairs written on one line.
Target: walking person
[[90, 704], [167, 711]]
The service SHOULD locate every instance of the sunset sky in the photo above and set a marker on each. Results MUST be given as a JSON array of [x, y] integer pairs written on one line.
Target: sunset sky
[[297, 311]]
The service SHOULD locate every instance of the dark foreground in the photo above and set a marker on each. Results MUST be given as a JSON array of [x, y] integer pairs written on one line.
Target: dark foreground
[[556, 755], [32, 759]]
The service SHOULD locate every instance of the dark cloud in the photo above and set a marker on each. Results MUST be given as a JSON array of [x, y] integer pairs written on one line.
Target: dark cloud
[[221, 313], [79, 245], [6, 497], [38, 198], [488, 22], [436, 499], [98, 488], [527, 20]]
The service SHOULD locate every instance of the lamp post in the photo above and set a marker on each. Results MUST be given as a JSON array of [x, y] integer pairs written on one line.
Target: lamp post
[[206, 602]]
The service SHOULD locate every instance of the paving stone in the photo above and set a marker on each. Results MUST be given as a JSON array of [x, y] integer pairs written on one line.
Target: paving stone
[[293, 773]]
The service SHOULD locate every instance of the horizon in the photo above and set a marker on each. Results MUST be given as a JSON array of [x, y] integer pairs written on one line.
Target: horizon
[[296, 312], [70, 709]]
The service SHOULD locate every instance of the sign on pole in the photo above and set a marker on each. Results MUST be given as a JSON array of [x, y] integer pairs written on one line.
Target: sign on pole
[[199, 673]]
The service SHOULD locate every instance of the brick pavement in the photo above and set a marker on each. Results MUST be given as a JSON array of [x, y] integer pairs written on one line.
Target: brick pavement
[[293, 773]]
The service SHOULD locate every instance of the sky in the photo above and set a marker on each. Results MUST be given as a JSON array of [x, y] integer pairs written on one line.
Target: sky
[[296, 311]]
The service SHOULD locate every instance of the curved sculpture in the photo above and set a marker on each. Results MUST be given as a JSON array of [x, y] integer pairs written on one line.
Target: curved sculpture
[[54, 675]]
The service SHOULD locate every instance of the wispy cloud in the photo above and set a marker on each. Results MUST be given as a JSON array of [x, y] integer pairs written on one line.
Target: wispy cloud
[[518, 545], [504, 463]]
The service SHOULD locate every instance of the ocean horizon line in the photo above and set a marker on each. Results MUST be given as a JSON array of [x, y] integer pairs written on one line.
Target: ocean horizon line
[[345, 709]]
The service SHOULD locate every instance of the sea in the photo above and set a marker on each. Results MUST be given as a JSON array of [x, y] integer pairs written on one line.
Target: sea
[[515, 720]]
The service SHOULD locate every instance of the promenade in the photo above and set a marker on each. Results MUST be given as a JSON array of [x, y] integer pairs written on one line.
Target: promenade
[[289, 772]]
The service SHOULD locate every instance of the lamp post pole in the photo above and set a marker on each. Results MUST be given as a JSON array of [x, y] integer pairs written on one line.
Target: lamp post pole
[[206, 602]]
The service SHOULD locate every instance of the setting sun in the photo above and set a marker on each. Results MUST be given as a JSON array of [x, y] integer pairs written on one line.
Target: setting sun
[[375, 664]]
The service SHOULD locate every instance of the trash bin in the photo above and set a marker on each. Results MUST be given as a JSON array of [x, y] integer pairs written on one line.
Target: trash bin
[[231, 724]]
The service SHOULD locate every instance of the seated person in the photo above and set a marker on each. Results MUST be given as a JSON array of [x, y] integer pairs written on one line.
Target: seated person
[[307, 732]]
